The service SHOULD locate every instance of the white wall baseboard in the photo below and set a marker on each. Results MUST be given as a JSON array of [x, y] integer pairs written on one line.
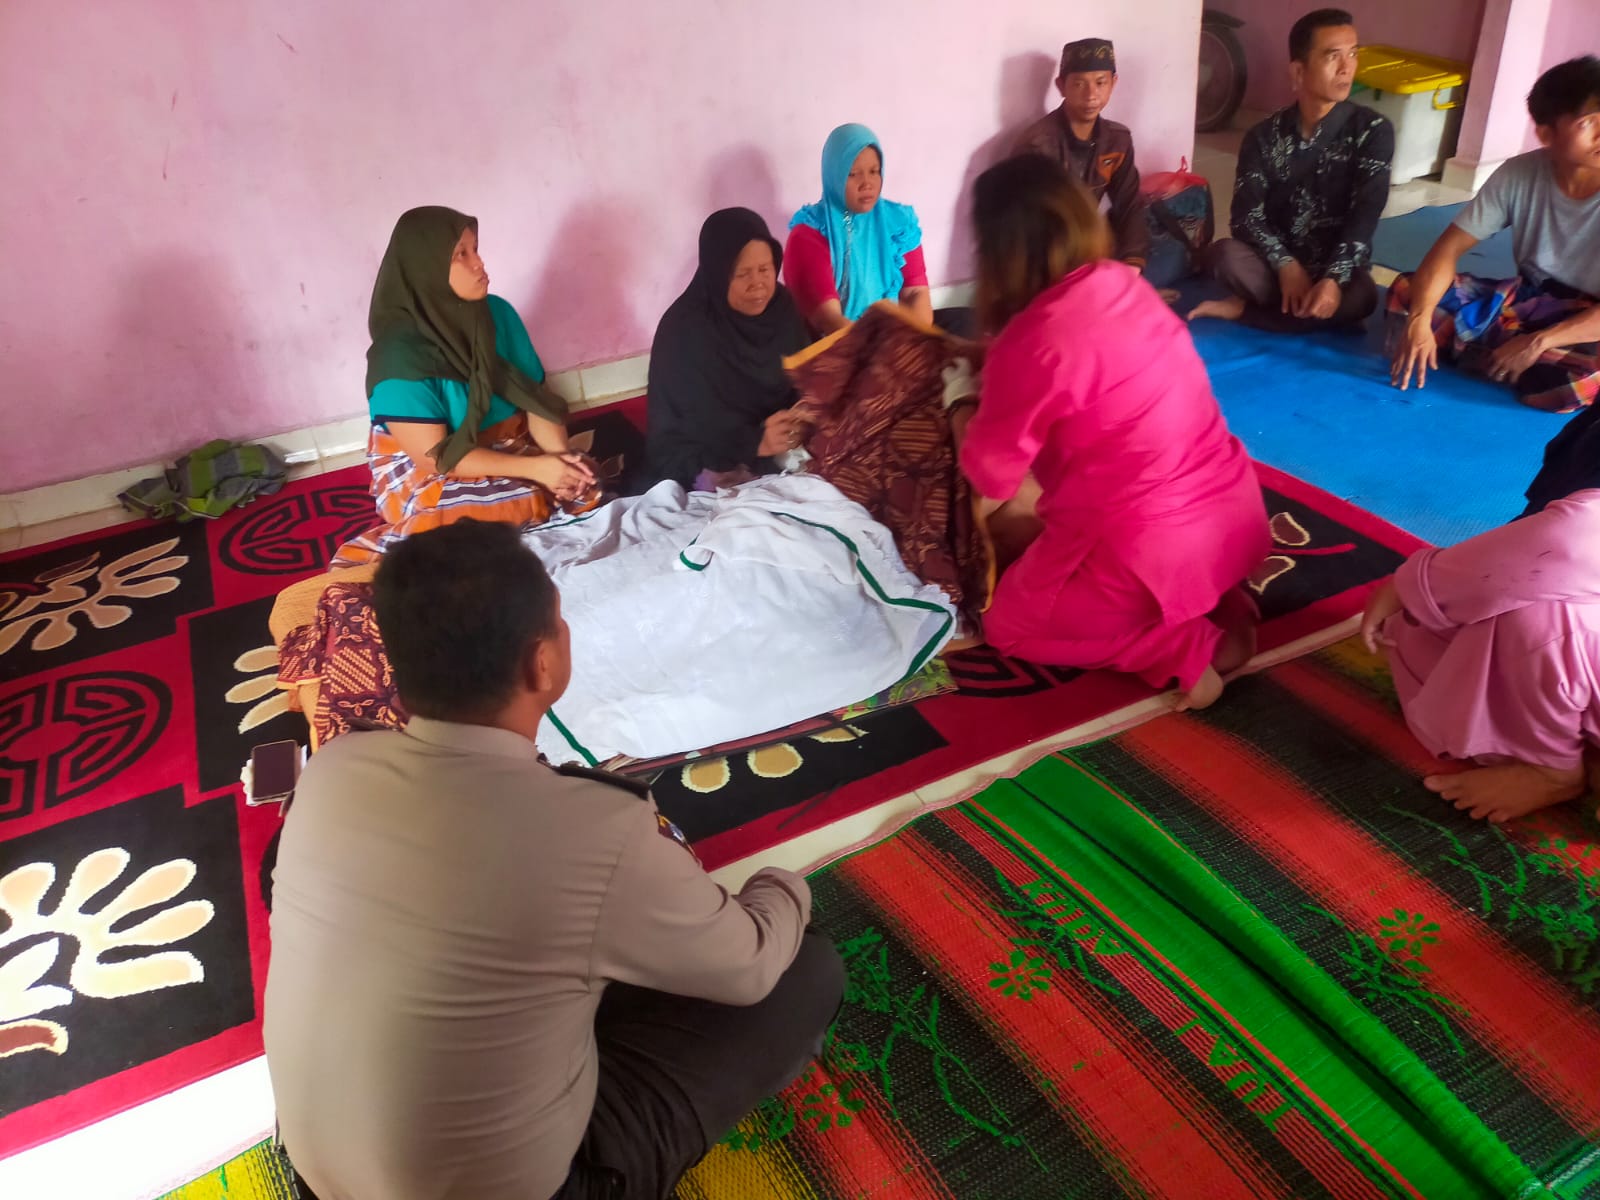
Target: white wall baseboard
[[329, 446], [1467, 175]]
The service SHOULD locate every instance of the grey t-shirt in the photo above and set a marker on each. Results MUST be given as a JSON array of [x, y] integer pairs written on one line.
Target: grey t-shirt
[[1552, 235]]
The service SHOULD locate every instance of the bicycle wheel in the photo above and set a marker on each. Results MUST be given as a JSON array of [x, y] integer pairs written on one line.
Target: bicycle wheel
[[1220, 88]]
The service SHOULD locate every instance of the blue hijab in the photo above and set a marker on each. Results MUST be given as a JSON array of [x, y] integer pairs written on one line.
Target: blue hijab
[[869, 249]]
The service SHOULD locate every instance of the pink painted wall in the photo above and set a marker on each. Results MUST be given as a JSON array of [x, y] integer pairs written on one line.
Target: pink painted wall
[[1448, 28], [197, 194], [1494, 125], [1573, 29]]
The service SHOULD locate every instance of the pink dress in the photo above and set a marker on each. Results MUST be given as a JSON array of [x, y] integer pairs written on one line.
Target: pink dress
[[1496, 654], [1151, 508]]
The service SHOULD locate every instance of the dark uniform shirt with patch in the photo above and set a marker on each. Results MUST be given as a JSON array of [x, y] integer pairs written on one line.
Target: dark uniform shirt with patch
[[1105, 164], [1316, 200]]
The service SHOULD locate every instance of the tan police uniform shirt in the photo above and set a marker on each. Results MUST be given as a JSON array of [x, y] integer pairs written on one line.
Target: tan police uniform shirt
[[446, 913]]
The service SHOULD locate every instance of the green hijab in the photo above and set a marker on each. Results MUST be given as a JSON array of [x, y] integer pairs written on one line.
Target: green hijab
[[422, 330]]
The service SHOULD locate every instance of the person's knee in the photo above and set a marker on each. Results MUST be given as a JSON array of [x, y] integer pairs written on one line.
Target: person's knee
[[1547, 387], [1221, 257], [797, 1014], [1011, 621], [818, 982], [1361, 298], [1239, 268], [1007, 638]]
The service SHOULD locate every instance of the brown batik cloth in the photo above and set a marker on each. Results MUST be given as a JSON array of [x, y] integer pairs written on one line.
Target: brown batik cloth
[[342, 653], [874, 395]]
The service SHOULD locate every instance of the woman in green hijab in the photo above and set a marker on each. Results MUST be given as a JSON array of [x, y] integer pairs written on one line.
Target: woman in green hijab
[[463, 424]]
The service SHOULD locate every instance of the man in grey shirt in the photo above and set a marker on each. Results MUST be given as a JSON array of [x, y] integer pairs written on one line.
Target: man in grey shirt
[[1537, 332], [494, 979]]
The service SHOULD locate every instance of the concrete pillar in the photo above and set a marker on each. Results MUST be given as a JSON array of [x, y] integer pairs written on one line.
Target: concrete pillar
[[1509, 57]]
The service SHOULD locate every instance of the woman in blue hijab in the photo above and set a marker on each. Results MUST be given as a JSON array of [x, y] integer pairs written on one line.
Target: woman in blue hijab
[[853, 248]]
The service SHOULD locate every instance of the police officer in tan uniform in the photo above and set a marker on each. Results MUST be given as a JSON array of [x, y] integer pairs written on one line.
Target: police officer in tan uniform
[[494, 979]]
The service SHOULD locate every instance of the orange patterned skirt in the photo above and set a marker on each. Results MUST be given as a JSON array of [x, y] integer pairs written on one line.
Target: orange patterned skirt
[[412, 499]]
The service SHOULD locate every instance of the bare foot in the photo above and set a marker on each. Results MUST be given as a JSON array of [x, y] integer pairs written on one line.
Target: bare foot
[[1237, 615], [1512, 790], [1230, 309], [1203, 694]]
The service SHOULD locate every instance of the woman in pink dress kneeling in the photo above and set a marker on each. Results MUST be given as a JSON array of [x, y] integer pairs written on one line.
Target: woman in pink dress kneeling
[[1150, 510], [1495, 648]]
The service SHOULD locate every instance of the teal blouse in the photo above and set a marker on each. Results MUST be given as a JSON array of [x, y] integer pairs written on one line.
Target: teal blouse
[[444, 401]]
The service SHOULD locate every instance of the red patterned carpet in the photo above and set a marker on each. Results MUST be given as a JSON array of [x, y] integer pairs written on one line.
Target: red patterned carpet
[[136, 673], [1328, 554]]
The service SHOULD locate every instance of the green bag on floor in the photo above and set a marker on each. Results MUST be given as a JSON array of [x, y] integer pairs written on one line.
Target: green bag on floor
[[208, 482]]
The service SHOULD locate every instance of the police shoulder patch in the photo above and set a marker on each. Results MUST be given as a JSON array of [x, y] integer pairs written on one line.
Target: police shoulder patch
[[636, 786]]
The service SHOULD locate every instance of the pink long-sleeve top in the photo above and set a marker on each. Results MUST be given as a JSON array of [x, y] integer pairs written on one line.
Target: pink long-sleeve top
[[1097, 389], [1552, 555], [1496, 654]]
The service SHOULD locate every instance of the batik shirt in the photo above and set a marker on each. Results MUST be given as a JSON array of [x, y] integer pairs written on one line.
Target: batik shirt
[[1316, 200]]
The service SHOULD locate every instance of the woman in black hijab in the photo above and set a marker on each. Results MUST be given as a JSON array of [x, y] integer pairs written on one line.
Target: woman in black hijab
[[719, 399]]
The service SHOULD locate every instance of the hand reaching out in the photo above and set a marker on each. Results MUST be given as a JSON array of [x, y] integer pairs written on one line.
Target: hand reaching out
[[782, 431], [1384, 604], [1416, 354]]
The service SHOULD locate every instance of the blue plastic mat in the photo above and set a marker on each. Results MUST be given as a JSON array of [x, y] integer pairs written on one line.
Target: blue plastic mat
[[1401, 243], [1445, 462]]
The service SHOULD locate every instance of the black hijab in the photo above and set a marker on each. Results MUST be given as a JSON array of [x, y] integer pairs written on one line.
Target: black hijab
[[1571, 462], [422, 330], [716, 374]]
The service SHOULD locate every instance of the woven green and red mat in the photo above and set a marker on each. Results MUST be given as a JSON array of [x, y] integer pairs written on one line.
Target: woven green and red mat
[[1235, 954]]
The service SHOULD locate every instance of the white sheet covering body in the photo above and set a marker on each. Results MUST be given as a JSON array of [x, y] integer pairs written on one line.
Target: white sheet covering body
[[702, 618]]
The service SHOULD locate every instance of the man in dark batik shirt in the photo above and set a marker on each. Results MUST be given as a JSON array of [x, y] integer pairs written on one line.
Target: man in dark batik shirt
[[1093, 149], [1312, 183]]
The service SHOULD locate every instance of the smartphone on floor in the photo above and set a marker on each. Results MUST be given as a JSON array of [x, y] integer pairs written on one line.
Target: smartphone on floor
[[274, 771]]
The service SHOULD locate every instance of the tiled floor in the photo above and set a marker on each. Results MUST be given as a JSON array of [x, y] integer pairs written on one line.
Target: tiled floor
[[148, 1150]]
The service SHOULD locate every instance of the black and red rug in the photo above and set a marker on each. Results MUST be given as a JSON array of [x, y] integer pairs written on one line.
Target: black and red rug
[[1327, 557], [136, 673]]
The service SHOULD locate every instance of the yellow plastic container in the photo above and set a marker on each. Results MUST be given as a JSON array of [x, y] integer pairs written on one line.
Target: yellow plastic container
[[1422, 95]]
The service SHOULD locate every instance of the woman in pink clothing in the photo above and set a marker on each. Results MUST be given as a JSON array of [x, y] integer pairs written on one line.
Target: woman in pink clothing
[[1495, 648], [1151, 513]]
